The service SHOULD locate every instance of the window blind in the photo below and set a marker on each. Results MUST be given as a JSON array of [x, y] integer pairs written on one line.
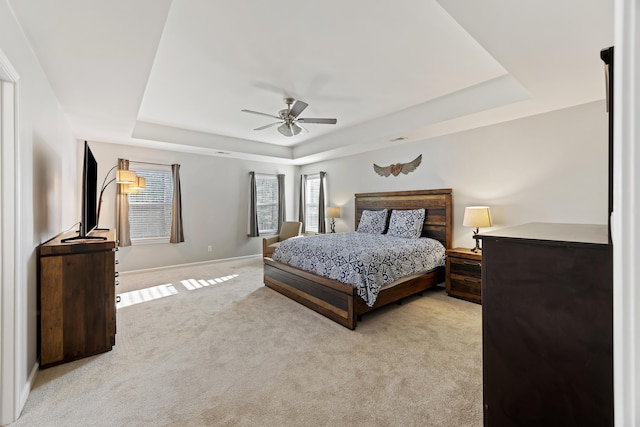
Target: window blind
[[267, 203], [312, 198], [150, 210]]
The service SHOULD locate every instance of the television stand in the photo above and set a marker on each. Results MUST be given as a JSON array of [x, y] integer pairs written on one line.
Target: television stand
[[77, 281]]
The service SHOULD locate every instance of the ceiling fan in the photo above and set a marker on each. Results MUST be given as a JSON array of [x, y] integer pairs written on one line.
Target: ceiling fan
[[288, 118]]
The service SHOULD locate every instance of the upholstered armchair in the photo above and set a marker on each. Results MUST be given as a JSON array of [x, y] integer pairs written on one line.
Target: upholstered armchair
[[288, 230]]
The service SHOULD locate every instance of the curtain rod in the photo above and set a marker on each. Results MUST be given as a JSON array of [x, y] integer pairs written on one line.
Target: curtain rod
[[265, 173], [151, 163]]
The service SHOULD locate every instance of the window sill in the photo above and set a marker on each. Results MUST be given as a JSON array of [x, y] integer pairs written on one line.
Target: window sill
[[149, 241]]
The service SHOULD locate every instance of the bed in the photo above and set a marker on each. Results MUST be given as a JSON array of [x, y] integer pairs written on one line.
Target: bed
[[339, 301]]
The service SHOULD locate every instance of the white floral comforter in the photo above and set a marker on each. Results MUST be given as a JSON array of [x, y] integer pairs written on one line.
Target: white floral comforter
[[366, 261]]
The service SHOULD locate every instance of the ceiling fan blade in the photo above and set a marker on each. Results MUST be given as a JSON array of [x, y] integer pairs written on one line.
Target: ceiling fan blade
[[261, 114], [267, 126], [320, 121], [297, 108]]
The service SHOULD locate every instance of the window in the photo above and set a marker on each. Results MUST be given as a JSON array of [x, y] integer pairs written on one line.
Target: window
[[150, 210], [312, 198], [267, 203]]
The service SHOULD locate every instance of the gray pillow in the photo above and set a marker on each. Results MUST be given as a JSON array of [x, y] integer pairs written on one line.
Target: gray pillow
[[406, 223], [372, 221]]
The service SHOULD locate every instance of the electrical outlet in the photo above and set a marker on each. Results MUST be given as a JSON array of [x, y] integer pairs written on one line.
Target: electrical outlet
[[209, 248]]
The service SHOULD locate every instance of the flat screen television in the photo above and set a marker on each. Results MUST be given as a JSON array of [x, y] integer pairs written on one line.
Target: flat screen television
[[89, 192], [88, 219], [607, 56]]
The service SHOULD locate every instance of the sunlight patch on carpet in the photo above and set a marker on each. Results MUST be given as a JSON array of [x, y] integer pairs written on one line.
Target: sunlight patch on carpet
[[155, 292], [192, 284], [147, 294]]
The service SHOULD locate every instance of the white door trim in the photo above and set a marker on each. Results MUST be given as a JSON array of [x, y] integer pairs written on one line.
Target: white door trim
[[9, 208], [625, 223]]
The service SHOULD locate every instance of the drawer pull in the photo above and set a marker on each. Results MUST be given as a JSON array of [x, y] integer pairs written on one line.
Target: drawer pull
[[464, 278], [472, 263], [117, 298], [117, 274]]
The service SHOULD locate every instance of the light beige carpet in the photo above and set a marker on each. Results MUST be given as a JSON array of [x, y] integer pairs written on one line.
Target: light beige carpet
[[223, 350]]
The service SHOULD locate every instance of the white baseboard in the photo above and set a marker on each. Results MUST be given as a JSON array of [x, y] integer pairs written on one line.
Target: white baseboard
[[191, 264], [26, 390]]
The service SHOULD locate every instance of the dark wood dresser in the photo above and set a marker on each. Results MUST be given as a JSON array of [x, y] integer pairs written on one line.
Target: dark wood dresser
[[547, 326], [77, 298]]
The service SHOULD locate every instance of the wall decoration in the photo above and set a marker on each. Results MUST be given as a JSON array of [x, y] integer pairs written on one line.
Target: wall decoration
[[395, 170]]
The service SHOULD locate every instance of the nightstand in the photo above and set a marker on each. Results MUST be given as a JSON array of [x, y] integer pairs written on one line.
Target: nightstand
[[464, 274]]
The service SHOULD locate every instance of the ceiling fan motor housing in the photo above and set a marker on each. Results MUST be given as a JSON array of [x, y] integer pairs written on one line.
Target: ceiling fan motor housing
[[284, 114]]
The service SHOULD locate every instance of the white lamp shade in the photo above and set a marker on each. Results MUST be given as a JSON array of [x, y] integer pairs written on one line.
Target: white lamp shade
[[477, 216], [124, 176], [333, 212], [141, 183]]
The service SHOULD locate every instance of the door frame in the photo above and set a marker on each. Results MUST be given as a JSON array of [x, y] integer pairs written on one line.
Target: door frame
[[625, 223], [9, 255]]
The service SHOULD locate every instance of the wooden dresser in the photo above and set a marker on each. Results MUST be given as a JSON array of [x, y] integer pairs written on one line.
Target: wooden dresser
[[547, 326], [77, 298]]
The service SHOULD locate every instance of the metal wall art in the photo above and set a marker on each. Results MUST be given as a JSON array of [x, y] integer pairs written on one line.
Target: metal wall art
[[395, 169]]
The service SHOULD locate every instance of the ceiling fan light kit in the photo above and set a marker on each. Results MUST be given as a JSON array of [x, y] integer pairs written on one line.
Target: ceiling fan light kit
[[289, 120], [290, 129]]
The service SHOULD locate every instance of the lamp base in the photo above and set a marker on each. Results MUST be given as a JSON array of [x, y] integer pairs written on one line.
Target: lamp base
[[332, 224], [477, 248]]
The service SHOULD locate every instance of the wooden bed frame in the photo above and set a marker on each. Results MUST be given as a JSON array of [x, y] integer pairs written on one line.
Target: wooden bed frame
[[339, 301]]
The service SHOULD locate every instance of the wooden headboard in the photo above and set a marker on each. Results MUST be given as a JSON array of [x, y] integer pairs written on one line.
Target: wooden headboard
[[438, 207]]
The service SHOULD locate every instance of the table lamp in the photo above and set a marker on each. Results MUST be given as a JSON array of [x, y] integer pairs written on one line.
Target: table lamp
[[333, 213], [477, 216]]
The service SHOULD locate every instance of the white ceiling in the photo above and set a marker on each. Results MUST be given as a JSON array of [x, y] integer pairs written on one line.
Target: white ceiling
[[174, 74]]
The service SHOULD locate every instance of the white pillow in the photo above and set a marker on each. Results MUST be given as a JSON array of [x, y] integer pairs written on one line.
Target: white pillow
[[406, 223], [372, 222]]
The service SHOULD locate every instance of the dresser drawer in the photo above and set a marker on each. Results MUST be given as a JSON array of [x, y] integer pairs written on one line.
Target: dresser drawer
[[465, 287], [465, 267]]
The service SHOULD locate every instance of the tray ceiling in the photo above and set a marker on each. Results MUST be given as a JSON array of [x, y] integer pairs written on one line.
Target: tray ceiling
[[175, 74]]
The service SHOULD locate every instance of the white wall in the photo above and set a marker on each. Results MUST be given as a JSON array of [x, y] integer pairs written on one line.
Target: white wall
[[215, 204], [546, 168], [46, 186]]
